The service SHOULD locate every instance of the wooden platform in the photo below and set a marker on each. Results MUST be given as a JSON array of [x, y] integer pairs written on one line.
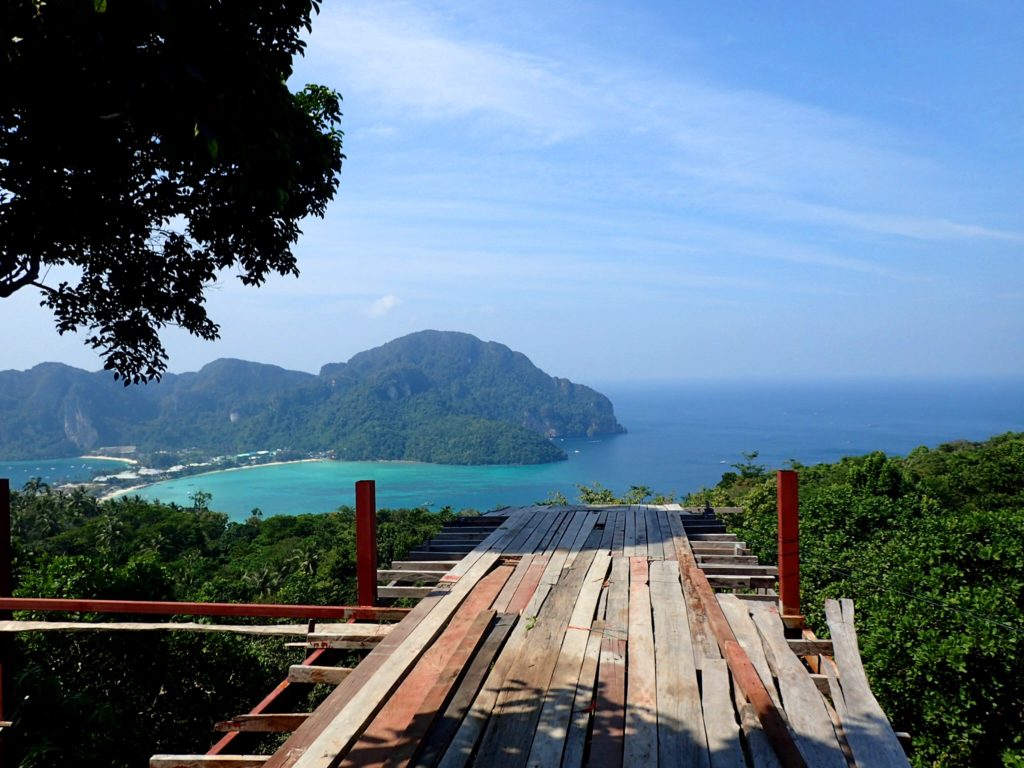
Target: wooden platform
[[574, 636]]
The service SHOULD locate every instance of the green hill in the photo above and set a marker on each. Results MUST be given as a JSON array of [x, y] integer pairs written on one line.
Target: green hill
[[432, 396]]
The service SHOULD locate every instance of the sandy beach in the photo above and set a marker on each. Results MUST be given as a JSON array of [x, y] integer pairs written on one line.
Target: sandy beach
[[109, 458], [124, 491]]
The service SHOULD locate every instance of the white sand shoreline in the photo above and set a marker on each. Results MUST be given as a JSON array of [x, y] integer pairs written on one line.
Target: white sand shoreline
[[109, 458], [125, 491]]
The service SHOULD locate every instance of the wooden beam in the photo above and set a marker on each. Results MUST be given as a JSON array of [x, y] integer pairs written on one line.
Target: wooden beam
[[267, 722], [352, 704], [312, 675], [164, 608], [681, 736], [743, 672], [207, 761], [723, 732], [641, 737], [811, 647], [401, 592], [166, 626], [808, 716], [556, 711], [393, 734], [444, 729], [867, 729]]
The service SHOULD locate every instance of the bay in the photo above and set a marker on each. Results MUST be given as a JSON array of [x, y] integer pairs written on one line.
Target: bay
[[682, 436], [58, 471]]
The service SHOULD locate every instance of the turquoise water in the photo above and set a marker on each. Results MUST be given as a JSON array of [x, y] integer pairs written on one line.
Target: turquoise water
[[681, 437], [57, 471]]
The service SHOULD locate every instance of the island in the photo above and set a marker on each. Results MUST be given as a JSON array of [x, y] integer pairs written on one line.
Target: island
[[433, 396]]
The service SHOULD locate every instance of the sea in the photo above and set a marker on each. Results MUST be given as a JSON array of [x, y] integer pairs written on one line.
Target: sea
[[681, 437]]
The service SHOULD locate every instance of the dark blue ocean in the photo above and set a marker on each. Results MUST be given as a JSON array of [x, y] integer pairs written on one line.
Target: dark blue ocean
[[682, 436]]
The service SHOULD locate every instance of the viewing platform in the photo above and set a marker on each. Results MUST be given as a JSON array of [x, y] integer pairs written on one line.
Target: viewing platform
[[581, 636]]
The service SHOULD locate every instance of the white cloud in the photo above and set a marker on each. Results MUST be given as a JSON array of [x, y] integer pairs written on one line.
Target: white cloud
[[382, 306]]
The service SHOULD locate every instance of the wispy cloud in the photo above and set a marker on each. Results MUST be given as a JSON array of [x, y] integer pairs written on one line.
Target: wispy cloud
[[731, 149], [382, 306]]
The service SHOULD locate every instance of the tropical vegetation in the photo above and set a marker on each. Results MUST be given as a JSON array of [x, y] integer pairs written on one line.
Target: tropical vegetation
[[115, 698], [931, 549]]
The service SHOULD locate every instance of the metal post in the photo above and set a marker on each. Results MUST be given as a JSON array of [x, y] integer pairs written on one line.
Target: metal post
[[789, 545], [366, 542]]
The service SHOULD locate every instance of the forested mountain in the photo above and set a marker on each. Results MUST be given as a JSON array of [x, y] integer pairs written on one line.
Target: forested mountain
[[431, 396]]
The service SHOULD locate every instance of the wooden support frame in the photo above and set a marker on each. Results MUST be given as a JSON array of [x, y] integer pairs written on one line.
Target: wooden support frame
[[162, 608], [366, 542], [789, 543]]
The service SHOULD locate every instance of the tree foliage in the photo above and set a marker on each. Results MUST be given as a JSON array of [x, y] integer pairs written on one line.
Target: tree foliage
[[146, 146], [99, 699], [931, 548]]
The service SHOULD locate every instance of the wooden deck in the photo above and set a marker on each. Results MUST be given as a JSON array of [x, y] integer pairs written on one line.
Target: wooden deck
[[575, 636]]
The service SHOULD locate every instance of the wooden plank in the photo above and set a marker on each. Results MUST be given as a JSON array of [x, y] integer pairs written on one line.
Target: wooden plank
[[619, 538], [815, 736], [641, 737], [606, 744], [476, 721], [586, 538], [501, 602], [404, 574], [556, 710], [681, 736], [524, 593], [629, 548], [435, 556], [723, 732], [729, 559], [583, 703], [207, 761], [714, 569], [549, 543], [396, 729], [346, 710], [270, 630], [734, 581], [666, 535], [444, 729], [747, 681], [312, 675], [817, 647], [761, 597], [704, 644], [509, 733], [608, 533], [738, 614], [413, 593], [729, 537], [865, 725], [641, 533], [525, 541], [655, 550], [617, 612], [421, 565], [571, 542], [463, 744], [266, 722]]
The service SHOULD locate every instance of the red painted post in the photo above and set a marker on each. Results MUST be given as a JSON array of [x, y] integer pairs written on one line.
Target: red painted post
[[366, 542], [789, 542]]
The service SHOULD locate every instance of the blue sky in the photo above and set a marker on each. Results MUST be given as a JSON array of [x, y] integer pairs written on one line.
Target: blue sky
[[654, 190]]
